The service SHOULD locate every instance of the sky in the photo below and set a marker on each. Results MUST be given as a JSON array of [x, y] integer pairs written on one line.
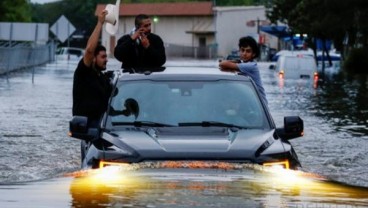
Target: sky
[[42, 1]]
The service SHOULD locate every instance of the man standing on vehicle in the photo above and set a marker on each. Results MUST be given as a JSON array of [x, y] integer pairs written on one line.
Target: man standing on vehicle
[[140, 48], [91, 87]]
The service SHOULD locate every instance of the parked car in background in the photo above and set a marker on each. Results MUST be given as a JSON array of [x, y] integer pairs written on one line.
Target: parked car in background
[[187, 114], [69, 53], [233, 56]]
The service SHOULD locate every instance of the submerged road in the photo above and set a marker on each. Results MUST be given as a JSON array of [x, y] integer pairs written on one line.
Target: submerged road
[[39, 164]]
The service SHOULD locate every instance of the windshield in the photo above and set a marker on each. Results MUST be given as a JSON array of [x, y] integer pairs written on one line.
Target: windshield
[[186, 103]]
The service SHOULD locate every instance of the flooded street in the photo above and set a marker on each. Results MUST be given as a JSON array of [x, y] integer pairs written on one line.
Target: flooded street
[[37, 153]]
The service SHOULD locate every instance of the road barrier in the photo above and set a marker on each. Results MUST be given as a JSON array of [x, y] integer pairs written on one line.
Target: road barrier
[[24, 56]]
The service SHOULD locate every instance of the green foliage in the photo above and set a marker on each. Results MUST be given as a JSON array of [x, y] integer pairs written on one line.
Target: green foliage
[[357, 61], [15, 11], [324, 19]]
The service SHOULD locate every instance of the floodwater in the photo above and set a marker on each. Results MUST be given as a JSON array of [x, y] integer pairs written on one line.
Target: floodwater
[[39, 164]]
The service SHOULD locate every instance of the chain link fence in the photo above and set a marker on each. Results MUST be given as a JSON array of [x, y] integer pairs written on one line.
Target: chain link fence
[[23, 55]]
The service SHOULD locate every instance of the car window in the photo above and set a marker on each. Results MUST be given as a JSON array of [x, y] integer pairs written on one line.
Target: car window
[[299, 63], [233, 102]]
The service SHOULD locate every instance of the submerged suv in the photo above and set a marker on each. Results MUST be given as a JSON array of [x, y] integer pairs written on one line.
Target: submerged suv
[[187, 114]]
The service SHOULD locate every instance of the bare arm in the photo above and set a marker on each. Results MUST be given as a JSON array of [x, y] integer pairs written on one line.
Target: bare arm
[[93, 40], [228, 66]]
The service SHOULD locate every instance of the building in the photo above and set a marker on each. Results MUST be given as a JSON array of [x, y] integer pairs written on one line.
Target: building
[[194, 29], [235, 22], [186, 28]]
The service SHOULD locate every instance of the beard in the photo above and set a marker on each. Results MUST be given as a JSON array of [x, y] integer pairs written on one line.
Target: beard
[[100, 68]]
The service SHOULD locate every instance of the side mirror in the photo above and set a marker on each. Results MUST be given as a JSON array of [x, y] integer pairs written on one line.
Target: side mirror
[[272, 67], [293, 128], [78, 128]]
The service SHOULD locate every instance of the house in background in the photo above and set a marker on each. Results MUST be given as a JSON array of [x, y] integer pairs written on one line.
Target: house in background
[[187, 29], [238, 21], [193, 29]]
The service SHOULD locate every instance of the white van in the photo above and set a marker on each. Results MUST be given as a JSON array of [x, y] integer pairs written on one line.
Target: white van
[[296, 67]]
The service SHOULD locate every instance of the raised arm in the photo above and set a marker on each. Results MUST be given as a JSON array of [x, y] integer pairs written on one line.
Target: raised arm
[[93, 39]]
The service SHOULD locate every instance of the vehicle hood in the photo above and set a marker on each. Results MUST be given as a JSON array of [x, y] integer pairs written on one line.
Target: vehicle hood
[[191, 143]]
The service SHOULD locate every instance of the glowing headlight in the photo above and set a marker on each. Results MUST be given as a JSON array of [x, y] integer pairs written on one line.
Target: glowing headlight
[[280, 164], [115, 164]]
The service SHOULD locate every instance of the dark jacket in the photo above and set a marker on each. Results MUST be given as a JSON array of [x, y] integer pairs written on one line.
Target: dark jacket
[[134, 55], [91, 92]]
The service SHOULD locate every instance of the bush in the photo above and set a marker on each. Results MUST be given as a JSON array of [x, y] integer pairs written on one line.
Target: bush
[[357, 61]]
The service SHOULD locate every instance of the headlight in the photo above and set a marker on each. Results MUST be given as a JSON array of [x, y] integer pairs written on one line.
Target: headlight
[[113, 164], [281, 164]]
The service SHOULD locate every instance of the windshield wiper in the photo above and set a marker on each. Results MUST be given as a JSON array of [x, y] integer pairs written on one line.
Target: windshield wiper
[[212, 123], [143, 123]]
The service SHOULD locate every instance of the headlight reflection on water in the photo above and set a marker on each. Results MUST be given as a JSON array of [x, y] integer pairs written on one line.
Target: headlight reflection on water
[[181, 183], [305, 185], [286, 177]]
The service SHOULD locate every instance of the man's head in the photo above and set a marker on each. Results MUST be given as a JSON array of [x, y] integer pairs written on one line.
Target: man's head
[[143, 21], [100, 58], [248, 48]]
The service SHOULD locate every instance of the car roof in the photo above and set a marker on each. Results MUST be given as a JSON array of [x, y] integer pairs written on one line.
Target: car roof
[[184, 73]]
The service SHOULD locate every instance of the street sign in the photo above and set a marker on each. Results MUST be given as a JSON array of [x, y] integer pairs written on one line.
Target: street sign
[[62, 28]]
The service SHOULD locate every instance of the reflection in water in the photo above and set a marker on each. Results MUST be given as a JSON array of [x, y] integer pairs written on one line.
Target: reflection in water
[[335, 123], [343, 100], [210, 187]]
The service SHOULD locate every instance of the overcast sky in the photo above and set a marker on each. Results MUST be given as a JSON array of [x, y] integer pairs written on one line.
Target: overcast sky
[[42, 1]]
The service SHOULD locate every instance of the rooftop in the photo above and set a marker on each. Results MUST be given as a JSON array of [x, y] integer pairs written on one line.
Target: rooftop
[[164, 9]]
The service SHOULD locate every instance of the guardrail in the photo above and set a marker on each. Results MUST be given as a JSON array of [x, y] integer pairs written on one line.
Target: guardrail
[[25, 56]]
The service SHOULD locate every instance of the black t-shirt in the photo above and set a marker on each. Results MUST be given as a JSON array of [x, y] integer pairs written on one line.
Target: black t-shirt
[[91, 92]]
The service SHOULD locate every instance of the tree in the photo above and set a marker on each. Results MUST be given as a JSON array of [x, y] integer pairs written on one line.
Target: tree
[[15, 11], [337, 20]]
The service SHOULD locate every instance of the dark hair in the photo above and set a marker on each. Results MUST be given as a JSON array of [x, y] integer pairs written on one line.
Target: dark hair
[[249, 41], [98, 49], [139, 18]]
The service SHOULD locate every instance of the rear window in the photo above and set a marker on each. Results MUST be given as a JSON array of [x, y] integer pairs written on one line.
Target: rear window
[[299, 63], [291, 63], [233, 102]]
